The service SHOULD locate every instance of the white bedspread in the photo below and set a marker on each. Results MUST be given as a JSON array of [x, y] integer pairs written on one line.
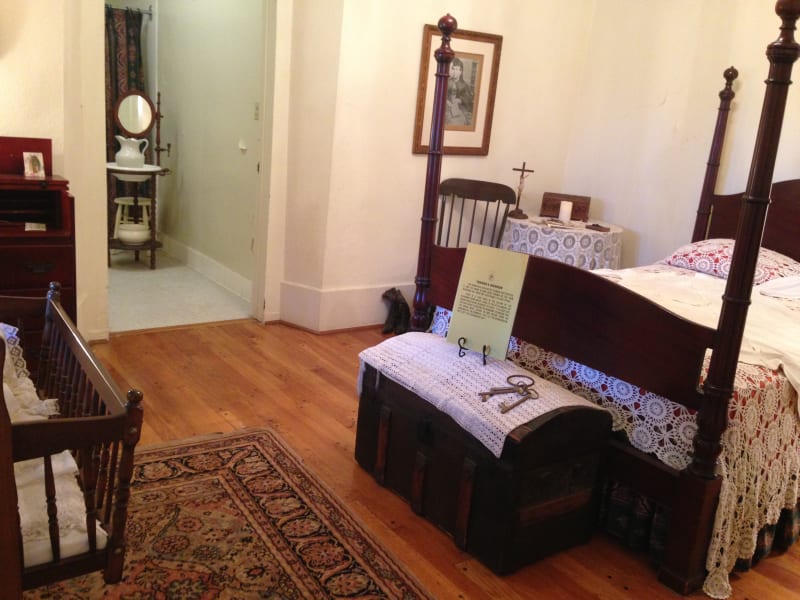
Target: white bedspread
[[430, 367], [783, 287], [772, 330]]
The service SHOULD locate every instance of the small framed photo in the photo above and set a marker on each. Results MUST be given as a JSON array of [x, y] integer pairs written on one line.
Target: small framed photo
[[34, 164]]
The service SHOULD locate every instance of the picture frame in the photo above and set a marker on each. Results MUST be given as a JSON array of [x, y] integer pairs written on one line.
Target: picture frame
[[33, 164], [468, 118]]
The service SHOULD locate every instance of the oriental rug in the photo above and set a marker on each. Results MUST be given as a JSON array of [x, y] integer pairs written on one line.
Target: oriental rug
[[239, 516]]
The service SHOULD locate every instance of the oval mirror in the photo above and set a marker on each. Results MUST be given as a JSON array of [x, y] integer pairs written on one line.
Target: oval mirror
[[134, 114]]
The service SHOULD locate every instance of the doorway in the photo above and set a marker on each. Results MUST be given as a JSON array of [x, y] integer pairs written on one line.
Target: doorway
[[207, 62]]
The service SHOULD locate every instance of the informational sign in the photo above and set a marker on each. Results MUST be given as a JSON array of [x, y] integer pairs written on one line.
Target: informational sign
[[486, 301]]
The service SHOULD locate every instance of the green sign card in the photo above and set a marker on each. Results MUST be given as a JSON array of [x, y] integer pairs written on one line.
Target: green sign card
[[487, 298]]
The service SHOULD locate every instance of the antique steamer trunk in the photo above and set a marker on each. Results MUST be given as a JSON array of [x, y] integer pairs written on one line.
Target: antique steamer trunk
[[538, 498]]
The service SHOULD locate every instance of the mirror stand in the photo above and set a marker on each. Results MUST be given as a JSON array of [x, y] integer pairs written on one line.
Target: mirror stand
[[132, 218]]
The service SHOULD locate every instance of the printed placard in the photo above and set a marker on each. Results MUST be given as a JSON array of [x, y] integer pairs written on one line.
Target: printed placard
[[487, 298]]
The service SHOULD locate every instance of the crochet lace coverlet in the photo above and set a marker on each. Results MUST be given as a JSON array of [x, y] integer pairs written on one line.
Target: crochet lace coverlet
[[760, 459], [431, 368]]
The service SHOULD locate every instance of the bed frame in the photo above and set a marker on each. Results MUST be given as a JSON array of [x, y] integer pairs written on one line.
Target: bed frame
[[100, 426], [602, 325]]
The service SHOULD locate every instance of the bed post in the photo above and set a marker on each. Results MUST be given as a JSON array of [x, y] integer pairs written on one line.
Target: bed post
[[712, 166], [718, 386], [444, 56], [682, 570]]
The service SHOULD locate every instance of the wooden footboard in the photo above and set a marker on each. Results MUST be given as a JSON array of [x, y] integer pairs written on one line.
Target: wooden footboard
[[594, 321], [96, 423]]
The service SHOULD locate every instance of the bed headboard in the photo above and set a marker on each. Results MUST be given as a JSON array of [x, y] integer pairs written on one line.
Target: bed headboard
[[782, 227]]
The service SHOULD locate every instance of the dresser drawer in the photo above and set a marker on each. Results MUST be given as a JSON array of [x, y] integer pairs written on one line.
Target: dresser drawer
[[33, 266]]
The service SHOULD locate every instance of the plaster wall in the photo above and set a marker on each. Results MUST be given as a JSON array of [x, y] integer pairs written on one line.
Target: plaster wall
[[614, 99]]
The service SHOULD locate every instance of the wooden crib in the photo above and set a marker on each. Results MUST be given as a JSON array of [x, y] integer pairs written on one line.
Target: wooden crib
[[87, 445]]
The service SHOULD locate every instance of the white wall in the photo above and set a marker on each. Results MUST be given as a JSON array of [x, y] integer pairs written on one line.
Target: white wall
[[611, 98], [84, 159], [52, 81], [641, 135], [615, 99], [211, 77]]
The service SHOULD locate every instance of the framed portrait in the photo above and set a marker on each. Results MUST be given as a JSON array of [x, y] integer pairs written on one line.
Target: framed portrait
[[33, 163], [471, 90]]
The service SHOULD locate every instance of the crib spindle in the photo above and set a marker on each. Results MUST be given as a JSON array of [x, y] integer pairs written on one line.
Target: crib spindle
[[108, 501], [87, 468], [52, 508]]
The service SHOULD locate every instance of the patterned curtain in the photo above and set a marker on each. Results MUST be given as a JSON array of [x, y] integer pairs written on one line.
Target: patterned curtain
[[124, 70]]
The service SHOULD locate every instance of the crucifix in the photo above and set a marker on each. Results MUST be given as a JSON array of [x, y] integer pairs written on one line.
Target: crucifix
[[517, 213]]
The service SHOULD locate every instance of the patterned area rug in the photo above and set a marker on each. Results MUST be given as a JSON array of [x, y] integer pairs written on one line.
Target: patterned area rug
[[239, 516]]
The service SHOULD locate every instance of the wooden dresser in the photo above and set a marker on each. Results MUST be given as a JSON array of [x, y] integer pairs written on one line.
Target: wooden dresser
[[37, 226]]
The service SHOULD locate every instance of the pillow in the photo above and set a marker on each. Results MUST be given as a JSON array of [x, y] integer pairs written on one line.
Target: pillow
[[713, 257]]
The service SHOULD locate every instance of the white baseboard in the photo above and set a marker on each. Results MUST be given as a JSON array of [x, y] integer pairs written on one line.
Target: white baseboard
[[344, 308], [271, 316], [208, 267]]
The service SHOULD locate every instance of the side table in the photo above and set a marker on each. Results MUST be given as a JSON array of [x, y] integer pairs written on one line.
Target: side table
[[574, 245]]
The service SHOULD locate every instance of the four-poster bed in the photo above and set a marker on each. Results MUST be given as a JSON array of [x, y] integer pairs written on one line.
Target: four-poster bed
[[636, 343]]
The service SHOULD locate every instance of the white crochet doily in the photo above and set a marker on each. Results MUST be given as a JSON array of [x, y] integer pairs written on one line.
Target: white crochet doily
[[430, 367], [22, 401]]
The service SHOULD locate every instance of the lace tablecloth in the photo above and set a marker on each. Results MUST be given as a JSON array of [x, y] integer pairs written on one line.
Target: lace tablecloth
[[577, 246]]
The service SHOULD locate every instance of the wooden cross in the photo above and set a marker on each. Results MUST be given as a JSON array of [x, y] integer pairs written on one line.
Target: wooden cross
[[523, 174]]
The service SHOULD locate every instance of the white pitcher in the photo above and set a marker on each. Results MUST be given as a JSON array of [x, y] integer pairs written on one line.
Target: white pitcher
[[131, 152]]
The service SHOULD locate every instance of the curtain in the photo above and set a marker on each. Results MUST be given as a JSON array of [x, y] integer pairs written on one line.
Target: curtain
[[124, 68]]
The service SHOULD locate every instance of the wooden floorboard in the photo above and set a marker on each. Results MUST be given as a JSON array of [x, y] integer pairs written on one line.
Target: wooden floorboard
[[227, 376]]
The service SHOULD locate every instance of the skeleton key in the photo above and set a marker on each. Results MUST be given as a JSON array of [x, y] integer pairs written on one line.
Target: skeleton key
[[498, 390], [518, 383], [505, 407]]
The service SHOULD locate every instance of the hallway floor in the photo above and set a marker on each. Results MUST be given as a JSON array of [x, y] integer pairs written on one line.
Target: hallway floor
[[171, 294]]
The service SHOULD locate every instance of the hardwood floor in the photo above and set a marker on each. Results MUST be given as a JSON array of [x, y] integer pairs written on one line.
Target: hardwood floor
[[221, 377]]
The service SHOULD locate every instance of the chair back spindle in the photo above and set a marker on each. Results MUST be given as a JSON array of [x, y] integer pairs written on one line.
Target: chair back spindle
[[480, 209]]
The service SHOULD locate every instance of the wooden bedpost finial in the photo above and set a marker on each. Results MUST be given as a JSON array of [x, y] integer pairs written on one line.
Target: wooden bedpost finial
[[447, 25], [787, 8], [730, 76], [785, 49]]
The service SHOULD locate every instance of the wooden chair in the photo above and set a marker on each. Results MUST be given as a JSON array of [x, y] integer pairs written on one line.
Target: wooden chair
[[472, 211]]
